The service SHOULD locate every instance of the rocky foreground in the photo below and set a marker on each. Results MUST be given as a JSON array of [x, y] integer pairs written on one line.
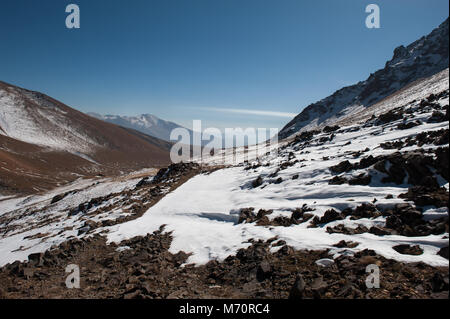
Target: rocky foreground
[[148, 270], [389, 195], [142, 267]]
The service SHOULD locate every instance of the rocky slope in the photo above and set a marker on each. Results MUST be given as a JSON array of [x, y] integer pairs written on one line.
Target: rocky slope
[[302, 222], [146, 123], [148, 270], [44, 143], [422, 58]]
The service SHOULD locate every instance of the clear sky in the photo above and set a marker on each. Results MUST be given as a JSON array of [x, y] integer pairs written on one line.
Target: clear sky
[[227, 62]]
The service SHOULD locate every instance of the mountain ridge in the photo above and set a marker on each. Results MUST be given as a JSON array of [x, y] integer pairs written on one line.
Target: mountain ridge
[[420, 59], [45, 143], [146, 123]]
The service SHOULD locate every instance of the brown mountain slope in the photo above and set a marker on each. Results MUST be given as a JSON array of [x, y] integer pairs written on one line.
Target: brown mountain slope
[[45, 143]]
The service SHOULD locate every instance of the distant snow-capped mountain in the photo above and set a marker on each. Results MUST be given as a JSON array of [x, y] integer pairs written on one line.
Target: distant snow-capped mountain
[[422, 58], [146, 123], [45, 143]]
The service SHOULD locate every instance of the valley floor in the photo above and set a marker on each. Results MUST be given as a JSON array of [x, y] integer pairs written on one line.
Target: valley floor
[[303, 222]]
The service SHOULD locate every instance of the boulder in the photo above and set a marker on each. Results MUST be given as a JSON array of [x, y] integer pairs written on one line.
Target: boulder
[[408, 250]]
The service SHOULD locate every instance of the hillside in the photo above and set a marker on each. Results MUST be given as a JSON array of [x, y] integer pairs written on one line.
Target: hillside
[[421, 59], [44, 143], [318, 209], [360, 181]]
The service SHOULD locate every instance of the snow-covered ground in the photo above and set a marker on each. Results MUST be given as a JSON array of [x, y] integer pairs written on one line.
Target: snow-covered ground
[[53, 129], [203, 213], [33, 224], [414, 92]]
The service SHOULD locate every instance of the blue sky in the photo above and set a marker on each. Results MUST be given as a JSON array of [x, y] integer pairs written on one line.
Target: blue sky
[[203, 59]]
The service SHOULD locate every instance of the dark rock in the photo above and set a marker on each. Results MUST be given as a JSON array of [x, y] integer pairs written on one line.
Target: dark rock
[[350, 291], [279, 243], [264, 271], [425, 196], [57, 198], [36, 259], [341, 229], [144, 181], [361, 179], [279, 180], [174, 171], [443, 252], [287, 164], [283, 221], [408, 250], [298, 288], [318, 286], [247, 215], [362, 211], [329, 216], [393, 222], [342, 167], [437, 117], [263, 212], [408, 214], [439, 282], [337, 180], [137, 294], [257, 182], [82, 230], [378, 231], [388, 117], [286, 250], [299, 213], [346, 244], [408, 125], [329, 129]]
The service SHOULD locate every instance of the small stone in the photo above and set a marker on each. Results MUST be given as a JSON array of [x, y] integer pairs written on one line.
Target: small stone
[[298, 288], [325, 262], [264, 271]]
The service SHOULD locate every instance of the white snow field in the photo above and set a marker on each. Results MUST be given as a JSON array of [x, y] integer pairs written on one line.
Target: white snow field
[[38, 224], [203, 212]]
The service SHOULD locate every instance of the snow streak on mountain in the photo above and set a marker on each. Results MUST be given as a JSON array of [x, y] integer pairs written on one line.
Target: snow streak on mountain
[[146, 123], [44, 143], [420, 59]]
